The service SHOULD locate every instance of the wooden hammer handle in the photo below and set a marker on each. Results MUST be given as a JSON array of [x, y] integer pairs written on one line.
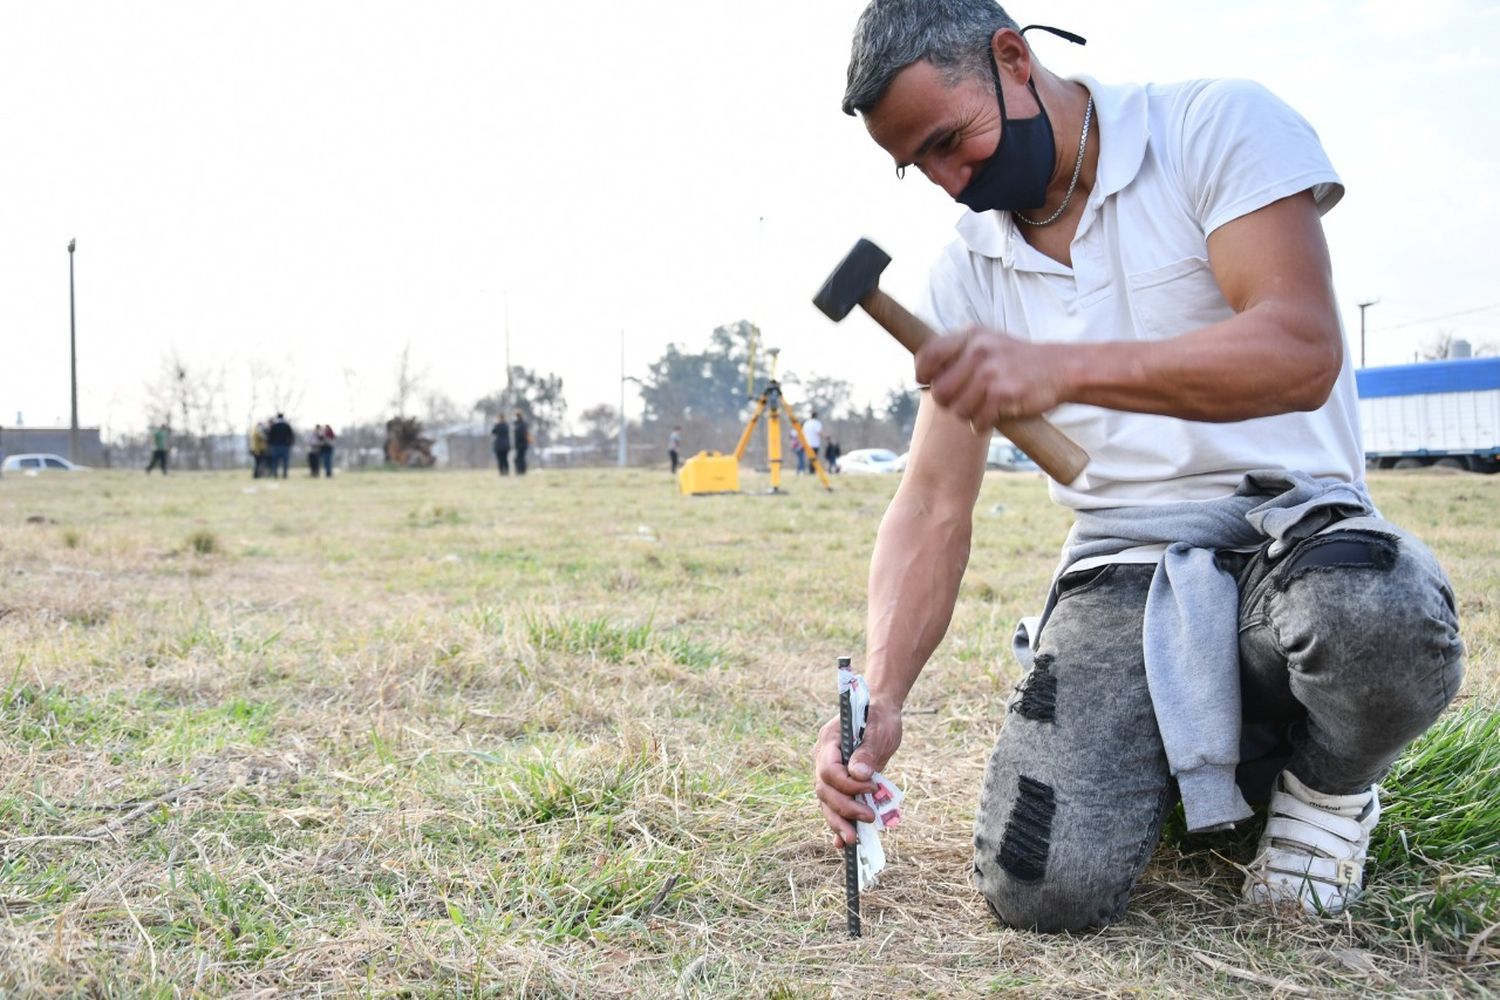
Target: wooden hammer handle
[[1057, 454]]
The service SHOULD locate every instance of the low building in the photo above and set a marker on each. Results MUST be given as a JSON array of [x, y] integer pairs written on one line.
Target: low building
[[53, 440]]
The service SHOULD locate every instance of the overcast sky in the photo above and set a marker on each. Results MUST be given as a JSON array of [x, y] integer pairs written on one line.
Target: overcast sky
[[305, 188]]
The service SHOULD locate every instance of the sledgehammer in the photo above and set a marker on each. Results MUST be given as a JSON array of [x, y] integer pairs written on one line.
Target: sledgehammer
[[856, 281]]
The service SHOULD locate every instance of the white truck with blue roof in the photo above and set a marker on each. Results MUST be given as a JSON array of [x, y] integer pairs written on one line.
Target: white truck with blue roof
[[1442, 413]]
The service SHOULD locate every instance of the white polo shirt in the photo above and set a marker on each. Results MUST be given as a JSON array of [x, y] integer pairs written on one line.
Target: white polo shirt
[[1175, 163]]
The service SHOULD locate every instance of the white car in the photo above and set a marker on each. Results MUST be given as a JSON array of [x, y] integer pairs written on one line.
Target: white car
[[37, 461], [1007, 457], [868, 460]]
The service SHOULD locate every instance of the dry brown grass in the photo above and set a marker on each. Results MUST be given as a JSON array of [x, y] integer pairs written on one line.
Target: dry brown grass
[[444, 735]]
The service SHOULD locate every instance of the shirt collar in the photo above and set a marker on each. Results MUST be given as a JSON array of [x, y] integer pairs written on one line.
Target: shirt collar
[[1120, 110]]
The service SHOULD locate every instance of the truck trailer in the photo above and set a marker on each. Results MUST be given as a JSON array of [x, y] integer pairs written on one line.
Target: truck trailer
[[1443, 413]]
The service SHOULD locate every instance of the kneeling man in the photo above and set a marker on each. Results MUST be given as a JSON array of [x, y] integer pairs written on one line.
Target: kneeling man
[[1231, 620]]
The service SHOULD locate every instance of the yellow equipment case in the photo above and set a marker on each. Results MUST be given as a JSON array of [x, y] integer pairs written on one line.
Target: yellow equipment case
[[709, 472]]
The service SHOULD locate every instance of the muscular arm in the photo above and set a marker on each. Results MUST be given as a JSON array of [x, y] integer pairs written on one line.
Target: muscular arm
[[921, 551], [1280, 352], [920, 554]]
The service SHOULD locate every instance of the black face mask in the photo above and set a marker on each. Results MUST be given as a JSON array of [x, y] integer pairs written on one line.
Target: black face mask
[[1016, 175]]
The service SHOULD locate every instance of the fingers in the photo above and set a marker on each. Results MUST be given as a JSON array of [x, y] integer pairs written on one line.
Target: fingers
[[981, 376], [938, 355], [844, 832], [959, 372], [835, 789], [830, 771]]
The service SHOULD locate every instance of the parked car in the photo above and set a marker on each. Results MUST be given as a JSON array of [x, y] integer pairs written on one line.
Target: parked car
[[862, 461], [1007, 457], [37, 461]]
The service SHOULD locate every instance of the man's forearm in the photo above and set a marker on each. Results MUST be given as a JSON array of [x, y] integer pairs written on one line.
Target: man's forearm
[[1249, 366], [919, 560]]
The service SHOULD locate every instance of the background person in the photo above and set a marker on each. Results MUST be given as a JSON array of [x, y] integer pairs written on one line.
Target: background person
[[314, 446], [280, 437], [161, 443], [1227, 579], [259, 458], [812, 429], [520, 439], [500, 443], [326, 439], [831, 453], [674, 447]]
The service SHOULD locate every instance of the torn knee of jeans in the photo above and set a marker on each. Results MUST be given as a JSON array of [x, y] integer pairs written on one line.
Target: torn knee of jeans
[[1340, 550], [1028, 833], [1038, 701]]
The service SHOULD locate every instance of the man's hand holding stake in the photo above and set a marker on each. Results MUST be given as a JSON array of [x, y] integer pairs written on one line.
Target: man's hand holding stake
[[837, 785]]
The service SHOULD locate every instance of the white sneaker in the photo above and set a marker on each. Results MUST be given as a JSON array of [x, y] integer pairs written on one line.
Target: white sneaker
[[1313, 848]]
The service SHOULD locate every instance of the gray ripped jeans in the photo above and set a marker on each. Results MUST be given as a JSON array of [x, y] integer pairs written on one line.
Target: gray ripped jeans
[[1349, 650]]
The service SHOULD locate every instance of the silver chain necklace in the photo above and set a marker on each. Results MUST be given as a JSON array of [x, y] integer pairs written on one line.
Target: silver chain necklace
[[1083, 141]]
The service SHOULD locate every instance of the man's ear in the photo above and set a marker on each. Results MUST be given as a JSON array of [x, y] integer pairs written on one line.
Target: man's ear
[[1012, 54]]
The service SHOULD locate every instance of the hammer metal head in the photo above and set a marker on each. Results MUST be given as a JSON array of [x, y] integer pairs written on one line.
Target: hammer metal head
[[857, 275]]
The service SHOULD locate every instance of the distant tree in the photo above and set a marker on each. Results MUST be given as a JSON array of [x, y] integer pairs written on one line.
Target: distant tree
[[601, 426], [1438, 345], [901, 409], [710, 385], [440, 409], [829, 396], [539, 394], [193, 400], [408, 382], [276, 385]]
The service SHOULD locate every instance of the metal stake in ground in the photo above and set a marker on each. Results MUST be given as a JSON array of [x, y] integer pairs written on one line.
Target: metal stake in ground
[[851, 851]]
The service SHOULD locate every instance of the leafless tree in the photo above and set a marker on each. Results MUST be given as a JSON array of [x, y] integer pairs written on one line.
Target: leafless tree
[[408, 382], [440, 410], [278, 385], [1437, 345], [601, 425], [194, 398]]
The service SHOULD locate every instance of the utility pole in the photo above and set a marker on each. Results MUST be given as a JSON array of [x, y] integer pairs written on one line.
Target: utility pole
[[624, 424], [510, 394], [1362, 307], [624, 420], [760, 243], [72, 356]]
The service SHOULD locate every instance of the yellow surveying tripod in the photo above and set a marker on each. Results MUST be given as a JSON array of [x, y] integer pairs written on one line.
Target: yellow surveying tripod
[[770, 403]]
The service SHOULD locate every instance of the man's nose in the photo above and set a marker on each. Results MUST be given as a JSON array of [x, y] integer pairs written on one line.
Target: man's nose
[[950, 177]]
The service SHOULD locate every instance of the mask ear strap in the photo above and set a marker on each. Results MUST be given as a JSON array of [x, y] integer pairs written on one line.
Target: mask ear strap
[[1059, 32], [995, 68], [999, 94]]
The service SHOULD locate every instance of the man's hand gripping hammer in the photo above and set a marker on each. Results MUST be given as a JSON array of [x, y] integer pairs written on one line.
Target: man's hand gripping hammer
[[856, 282]]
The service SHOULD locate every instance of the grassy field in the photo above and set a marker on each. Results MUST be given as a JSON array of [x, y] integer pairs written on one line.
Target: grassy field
[[445, 735]]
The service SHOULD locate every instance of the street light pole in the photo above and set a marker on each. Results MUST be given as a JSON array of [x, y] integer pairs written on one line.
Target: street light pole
[[624, 420], [1362, 307], [510, 395], [72, 356]]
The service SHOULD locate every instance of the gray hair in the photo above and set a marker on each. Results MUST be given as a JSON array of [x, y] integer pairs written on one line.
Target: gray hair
[[953, 35]]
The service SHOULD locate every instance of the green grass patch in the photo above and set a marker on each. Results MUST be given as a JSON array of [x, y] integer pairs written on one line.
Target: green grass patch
[[596, 637], [602, 638], [204, 542], [1435, 857], [433, 515]]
